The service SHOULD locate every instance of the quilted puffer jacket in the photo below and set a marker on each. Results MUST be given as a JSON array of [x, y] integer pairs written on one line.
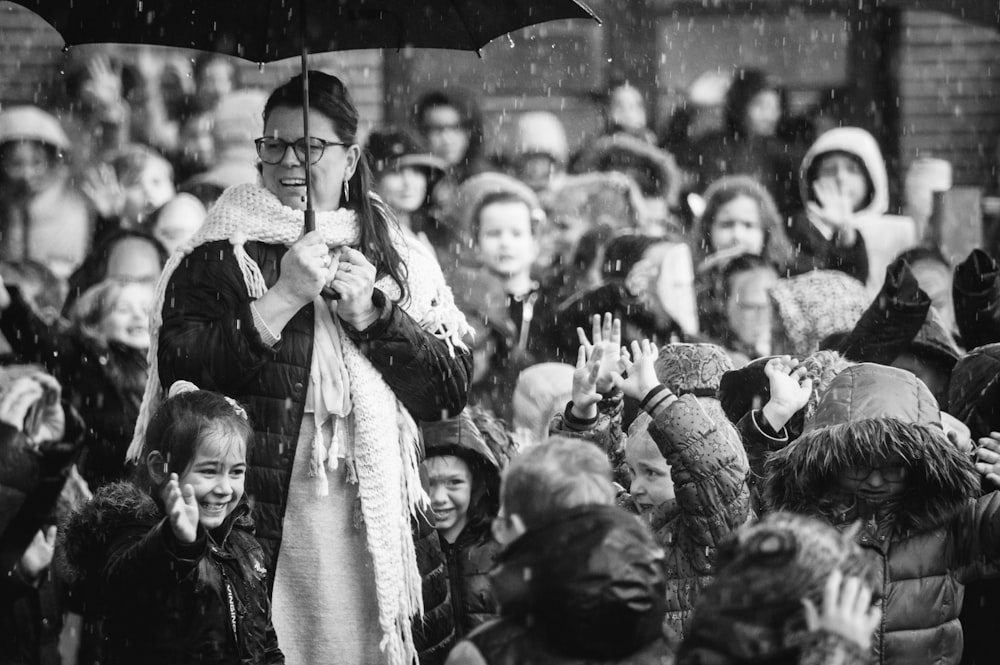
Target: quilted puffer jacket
[[927, 543], [208, 337]]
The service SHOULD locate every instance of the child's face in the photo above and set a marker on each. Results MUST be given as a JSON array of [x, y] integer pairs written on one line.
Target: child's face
[[885, 482], [128, 320], [446, 136], [153, 188], [764, 113], [404, 190], [506, 245], [134, 259], [847, 174], [627, 109], [567, 224], [26, 163], [450, 490], [217, 474], [652, 485], [748, 309], [738, 224]]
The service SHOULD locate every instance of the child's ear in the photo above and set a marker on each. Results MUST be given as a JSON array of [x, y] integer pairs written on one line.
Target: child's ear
[[156, 465], [507, 529]]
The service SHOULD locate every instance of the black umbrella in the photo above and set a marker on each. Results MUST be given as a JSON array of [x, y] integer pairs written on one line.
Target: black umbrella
[[268, 30]]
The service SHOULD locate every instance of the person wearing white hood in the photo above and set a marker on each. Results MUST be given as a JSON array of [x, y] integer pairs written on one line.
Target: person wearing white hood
[[843, 179]]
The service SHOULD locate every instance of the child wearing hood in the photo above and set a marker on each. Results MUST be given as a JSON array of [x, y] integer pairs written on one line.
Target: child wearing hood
[[463, 476], [842, 179], [875, 452]]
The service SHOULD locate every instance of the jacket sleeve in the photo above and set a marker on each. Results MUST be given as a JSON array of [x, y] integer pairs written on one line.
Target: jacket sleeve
[[758, 444], [708, 466], [31, 337], [605, 431], [430, 376], [208, 335], [144, 558], [976, 292], [892, 320]]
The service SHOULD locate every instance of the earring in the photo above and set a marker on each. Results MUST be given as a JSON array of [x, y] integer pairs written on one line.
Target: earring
[[347, 193]]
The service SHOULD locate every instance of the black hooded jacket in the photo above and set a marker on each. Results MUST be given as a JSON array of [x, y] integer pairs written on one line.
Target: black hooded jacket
[[168, 602], [976, 293]]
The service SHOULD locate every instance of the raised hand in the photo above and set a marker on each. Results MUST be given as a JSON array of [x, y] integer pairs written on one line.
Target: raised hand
[[585, 395], [847, 610], [834, 208], [607, 334], [103, 89], [790, 390], [101, 186], [641, 368], [182, 507], [988, 458], [38, 556]]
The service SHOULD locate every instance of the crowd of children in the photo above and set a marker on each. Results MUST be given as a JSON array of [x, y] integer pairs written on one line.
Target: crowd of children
[[701, 427]]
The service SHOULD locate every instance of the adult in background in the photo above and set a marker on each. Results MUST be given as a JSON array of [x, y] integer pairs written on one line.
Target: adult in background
[[333, 387]]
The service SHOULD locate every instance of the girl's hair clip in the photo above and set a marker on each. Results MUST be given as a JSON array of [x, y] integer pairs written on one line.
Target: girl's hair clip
[[240, 411], [182, 386]]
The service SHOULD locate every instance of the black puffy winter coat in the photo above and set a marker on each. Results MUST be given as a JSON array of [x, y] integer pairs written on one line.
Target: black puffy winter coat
[[164, 601], [208, 337]]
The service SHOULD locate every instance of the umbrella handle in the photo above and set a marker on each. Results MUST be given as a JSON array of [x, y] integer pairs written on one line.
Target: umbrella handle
[[328, 293]]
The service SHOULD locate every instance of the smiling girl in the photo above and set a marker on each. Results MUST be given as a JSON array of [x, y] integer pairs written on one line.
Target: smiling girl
[[183, 578]]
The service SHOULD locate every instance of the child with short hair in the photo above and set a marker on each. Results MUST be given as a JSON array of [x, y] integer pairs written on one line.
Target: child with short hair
[[579, 579], [100, 358], [181, 576]]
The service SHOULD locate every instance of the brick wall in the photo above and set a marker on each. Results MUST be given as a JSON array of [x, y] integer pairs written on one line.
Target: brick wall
[[948, 74]]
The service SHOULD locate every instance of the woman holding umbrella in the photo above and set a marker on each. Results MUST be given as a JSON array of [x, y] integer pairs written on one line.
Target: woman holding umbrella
[[333, 382]]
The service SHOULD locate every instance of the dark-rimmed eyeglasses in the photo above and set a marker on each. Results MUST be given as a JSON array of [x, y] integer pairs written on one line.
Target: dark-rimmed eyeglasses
[[271, 150], [890, 474]]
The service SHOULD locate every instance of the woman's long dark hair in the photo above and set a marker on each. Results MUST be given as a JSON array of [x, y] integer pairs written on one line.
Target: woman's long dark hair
[[328, 95]]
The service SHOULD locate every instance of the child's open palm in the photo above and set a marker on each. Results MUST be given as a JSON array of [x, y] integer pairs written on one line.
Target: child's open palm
[[834, 205], [606, 334], [790, 390], [847, 610], [182, 507], [585, 394], [641, 369]]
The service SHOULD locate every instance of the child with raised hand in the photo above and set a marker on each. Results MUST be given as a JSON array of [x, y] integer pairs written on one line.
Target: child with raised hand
[[99, 357], [688, 478], [171, 556]]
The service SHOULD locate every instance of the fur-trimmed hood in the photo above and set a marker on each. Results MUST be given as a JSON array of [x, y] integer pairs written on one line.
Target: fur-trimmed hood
[[871, 413], [88, 533]]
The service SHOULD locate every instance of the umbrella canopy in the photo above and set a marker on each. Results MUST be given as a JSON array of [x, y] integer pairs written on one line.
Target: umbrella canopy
[[267, 30]]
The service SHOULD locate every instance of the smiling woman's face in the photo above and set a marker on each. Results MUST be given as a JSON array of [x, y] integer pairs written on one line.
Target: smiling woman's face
[[286, 179]]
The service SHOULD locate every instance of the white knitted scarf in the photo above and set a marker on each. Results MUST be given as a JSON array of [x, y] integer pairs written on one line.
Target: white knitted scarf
[[384, 451]]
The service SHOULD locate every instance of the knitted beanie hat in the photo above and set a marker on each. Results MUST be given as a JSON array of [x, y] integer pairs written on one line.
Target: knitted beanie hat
[[473, 191], [752, 611], [814, 305], [695, 369], [30, 123]]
